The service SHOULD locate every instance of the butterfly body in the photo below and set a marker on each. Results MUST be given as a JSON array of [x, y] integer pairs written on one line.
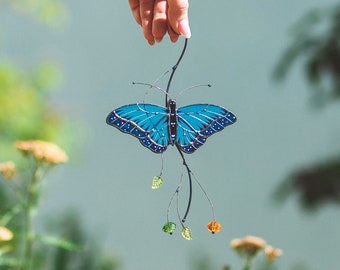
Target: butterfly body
[[172, 121], [156, 127]]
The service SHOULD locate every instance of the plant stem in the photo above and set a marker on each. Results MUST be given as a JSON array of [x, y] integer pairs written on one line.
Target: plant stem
[[248, 262], [8, 216], [28, 217]]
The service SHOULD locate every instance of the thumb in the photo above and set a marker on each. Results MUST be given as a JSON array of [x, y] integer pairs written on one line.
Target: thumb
[[178, 17]]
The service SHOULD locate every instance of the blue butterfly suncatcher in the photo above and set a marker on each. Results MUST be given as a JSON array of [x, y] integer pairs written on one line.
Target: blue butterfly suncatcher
[[187, 128], [156, 127]]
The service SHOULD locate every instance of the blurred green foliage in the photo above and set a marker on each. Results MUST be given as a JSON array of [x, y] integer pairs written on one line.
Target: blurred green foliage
[[316, 39], [90, 257], [25, 113], [50, 12], [315, 185]]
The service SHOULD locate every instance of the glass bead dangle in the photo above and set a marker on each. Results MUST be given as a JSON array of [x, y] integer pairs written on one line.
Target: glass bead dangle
[[157, 182], [169, 227], [214, 227], [186, 233]]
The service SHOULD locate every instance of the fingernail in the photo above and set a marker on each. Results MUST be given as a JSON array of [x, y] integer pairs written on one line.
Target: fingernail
[[151, 42], [184, 29], [158, 40]]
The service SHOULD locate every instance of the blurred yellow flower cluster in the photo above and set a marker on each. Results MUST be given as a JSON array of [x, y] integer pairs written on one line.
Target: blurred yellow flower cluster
[[42, 151], [249, 245], [26, 200], [272, 253], [5, 234], [8, 170], [252, 245]]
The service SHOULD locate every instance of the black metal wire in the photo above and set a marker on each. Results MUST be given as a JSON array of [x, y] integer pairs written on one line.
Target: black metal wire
[[190, 183], [173, 72], [174, 68]]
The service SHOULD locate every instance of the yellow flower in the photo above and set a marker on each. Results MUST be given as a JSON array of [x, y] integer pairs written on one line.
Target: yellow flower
[[249, 245], [46, 152], [5, 234], [272, 253], [7, 169]]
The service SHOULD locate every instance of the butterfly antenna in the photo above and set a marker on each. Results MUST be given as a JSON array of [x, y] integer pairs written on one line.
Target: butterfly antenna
[[194, 86], [160, 77], [173, 71], [151, 85]]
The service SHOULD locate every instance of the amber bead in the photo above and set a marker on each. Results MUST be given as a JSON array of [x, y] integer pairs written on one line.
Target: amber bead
[[214, 227]]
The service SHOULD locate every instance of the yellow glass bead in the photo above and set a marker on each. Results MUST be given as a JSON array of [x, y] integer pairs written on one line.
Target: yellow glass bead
[[214, 227], [157, 181], [187, 234]]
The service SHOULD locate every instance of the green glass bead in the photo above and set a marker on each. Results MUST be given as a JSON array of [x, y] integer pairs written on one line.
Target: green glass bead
[[186, 233], [157, 181], [169, 227]]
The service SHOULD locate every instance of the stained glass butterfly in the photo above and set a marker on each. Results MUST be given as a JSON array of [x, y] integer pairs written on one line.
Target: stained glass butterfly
[[156, 127], [187, 128]]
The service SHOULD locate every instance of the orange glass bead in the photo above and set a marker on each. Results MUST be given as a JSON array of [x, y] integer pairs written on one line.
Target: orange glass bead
[[214, 227]]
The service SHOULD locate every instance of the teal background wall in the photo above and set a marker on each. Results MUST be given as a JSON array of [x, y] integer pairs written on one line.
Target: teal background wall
[[235, 46]]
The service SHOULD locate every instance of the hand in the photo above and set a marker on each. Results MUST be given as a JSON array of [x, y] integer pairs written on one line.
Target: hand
[[157, 17]]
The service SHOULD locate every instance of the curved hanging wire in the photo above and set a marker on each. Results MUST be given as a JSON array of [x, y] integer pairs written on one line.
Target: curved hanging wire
[[174, 68], [173, 72], [185, 164]]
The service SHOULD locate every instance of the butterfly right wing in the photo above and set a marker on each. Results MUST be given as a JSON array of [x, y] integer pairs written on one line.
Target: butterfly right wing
[[147, 122], [197, 122]]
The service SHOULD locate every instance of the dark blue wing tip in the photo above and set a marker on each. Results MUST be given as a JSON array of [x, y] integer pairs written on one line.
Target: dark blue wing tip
[[232, 117], [110, 118]]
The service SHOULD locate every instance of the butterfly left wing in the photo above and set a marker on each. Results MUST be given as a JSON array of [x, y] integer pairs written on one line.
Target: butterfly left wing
[[147, 122], [199, 121]]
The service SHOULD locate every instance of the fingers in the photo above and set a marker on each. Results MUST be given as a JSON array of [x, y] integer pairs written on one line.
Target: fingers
[[160, 16], [146, 14], [142, 11], [172, 34], [159, 24], [134, 6], [178, 17]]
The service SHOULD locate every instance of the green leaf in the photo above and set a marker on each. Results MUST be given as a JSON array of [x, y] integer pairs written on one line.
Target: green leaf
[[58, 242], [9, 261], [10, 214]]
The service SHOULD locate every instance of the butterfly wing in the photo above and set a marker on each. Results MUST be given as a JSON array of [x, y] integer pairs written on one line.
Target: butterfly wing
[[147, 122], [199, 121]]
